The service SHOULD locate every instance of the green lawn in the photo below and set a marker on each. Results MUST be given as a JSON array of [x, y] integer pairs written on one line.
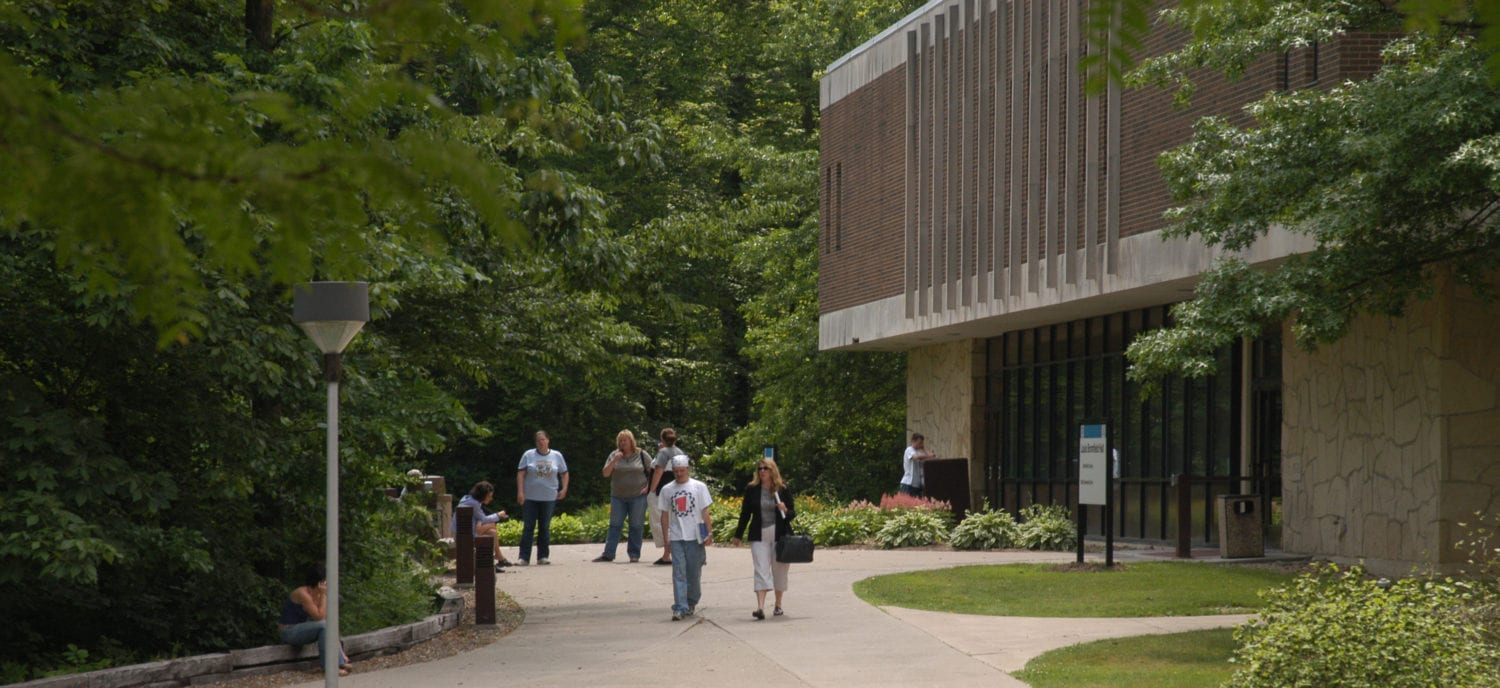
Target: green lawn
[[1197, 659], [1144, 589]]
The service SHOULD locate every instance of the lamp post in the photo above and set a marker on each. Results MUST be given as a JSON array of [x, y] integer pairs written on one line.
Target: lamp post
[[332, 313]]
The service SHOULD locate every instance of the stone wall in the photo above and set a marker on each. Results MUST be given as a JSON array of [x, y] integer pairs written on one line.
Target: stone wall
[[1391, 436], [940, 397]]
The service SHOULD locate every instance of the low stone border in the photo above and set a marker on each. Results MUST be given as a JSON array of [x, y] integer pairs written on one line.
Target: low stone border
[[222, 666]]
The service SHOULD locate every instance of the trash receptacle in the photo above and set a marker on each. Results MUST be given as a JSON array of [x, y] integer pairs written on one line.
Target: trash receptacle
[[1239, 527]]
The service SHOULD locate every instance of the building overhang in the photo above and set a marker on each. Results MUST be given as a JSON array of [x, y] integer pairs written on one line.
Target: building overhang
[[1153, 270]]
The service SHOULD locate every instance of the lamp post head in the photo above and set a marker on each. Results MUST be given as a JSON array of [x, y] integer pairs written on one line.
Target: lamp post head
[[331, 312]]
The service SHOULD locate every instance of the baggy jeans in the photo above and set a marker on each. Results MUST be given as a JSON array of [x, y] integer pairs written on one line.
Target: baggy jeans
[[687, 575]]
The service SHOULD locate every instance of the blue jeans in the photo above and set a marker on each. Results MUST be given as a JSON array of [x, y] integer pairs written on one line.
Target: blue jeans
[[687, 575], [909, 490], [619, 508], [536, 515], [306, 632]]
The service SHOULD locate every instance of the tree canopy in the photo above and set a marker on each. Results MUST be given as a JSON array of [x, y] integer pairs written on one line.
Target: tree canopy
[[1393, 178], [576, 218]]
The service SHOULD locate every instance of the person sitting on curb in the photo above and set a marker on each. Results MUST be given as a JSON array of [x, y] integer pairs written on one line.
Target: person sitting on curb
[[484, 524], [303, 613]]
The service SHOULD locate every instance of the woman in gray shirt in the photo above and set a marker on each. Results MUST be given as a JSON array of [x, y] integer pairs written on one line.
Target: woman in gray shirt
[[629, 471]]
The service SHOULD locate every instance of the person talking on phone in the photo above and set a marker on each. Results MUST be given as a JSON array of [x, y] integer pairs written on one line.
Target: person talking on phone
[[767, 512]]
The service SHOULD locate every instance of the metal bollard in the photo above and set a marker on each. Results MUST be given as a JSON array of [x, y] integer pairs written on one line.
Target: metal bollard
[[463, 540], [483, 555], [1184, 484]]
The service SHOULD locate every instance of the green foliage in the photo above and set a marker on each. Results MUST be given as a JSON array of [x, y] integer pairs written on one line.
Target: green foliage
[[509, 532], [725, 515], [844, 528], [1247, 30], [567, 529], [1340, 628], [1048, 527], [985, 529], [594, 523], [1391, 178], [912, 529], [238, 158]]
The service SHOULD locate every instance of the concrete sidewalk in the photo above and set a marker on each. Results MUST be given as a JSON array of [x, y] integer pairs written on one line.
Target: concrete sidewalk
[[610, 625]]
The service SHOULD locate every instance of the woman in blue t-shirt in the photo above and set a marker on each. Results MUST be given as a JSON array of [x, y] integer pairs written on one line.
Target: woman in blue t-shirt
[[541, 480]]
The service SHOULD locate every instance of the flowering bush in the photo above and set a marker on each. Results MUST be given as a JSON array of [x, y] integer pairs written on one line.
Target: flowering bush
[[889, 502]]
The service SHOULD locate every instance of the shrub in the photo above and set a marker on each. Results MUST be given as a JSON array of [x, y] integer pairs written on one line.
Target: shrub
[[843, 529], [912, 529], [986, 529], [567, 529], [1047, 528], [1481, 547], [899, 500], [725, 515], [509, 532], [811, 511], [595, 523], [1338, 628]]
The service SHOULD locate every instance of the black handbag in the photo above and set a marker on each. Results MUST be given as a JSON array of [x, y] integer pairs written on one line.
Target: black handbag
[[795, 549]]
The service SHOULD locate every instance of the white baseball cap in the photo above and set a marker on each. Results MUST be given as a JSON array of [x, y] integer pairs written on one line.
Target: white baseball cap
[[680, 462]]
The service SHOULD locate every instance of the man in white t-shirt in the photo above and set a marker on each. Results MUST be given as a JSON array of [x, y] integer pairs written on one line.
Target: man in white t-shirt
[[684, 518], [662, 466], [911, 465]]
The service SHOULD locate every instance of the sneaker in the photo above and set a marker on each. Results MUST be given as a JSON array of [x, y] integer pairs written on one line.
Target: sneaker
[[663, 562], [524, 562], [692, 611], [603, 558], [634, 560], [503, 563], [542, 562], [499, 568], [676, 616]]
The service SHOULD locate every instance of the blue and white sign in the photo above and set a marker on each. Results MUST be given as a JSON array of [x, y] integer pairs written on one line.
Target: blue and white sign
[[1093, 465]]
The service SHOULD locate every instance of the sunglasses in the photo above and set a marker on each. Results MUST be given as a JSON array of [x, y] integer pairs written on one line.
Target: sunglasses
[[765, 468]]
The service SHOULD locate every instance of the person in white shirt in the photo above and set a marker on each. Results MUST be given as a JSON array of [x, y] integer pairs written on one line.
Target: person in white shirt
[[911, 465], [685, 519]]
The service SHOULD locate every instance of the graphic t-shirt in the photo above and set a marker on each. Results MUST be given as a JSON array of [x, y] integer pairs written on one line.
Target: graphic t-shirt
[[542, 471], [687, 503]]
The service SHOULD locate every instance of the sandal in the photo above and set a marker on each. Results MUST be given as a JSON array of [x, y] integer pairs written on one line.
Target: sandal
[[778, 611]]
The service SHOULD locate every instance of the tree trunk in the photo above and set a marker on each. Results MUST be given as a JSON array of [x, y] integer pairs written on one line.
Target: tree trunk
[[258, 24]]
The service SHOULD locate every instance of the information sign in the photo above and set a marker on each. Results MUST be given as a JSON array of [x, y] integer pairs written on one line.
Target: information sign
[[1093, 465]]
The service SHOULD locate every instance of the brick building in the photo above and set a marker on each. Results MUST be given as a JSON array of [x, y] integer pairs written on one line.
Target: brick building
[[984, 215]]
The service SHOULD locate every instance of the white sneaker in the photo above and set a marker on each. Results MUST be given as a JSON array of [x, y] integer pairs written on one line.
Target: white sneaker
[[542, 562]]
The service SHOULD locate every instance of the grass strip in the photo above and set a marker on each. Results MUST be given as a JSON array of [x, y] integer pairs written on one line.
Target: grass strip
[[1046, 590], [1177, 660]]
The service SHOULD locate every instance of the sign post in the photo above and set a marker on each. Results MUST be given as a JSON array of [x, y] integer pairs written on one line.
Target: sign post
[[1095, 483]]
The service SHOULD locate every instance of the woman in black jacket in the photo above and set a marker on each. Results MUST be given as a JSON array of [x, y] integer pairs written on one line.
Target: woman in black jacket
[[767, 511]]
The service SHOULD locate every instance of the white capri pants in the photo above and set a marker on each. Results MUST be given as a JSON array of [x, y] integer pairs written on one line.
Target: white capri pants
[[658, 536], [769, 573]]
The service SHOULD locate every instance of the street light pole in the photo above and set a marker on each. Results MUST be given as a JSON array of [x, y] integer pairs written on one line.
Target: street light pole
[[331, 313]]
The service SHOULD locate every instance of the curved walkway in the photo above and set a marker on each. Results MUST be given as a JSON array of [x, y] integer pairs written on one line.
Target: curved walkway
[[610, 625]]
